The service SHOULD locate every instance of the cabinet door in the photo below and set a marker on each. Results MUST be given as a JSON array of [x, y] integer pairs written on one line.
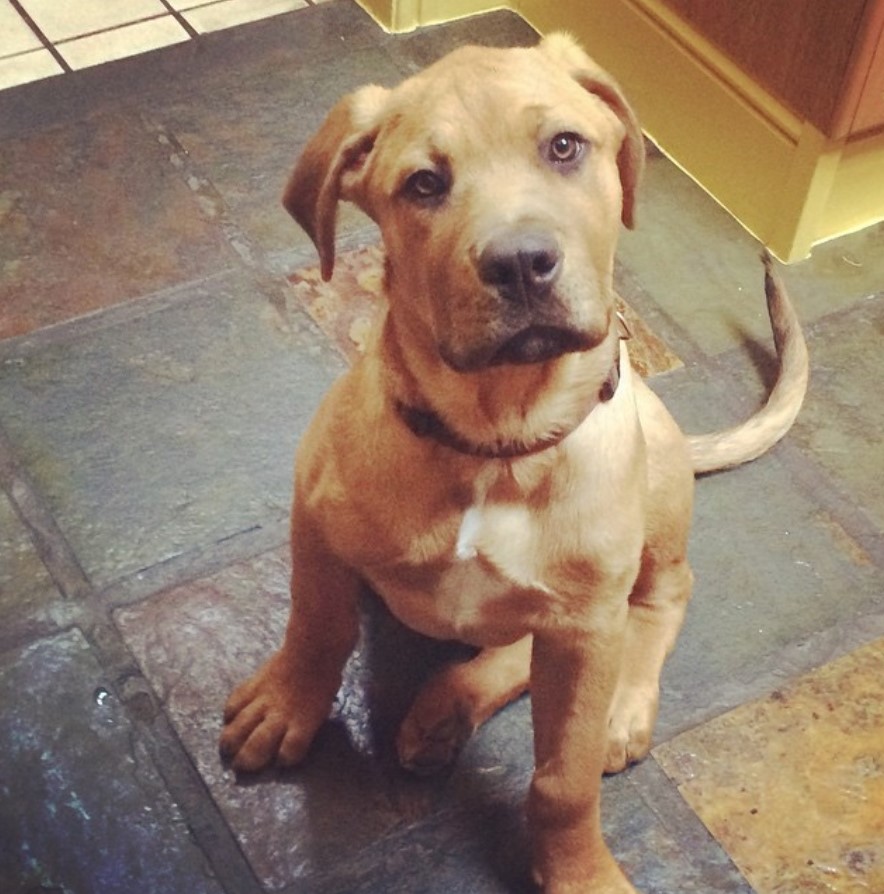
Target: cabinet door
[[870, 106], [801, 51]]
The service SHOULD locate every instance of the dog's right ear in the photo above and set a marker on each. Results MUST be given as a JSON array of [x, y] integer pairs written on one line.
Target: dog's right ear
[[332, 167]]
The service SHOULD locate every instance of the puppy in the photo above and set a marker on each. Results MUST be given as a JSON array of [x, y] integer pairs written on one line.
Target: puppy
[[492, 466]]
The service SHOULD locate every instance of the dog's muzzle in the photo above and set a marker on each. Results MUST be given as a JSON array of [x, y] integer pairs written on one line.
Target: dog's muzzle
[[535, 344], [521, 265], [526, 320]]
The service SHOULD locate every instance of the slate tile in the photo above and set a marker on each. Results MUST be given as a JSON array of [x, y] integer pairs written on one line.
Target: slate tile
[[81, 806], [243, 129], [348, 307], [25, 585], [166, 426], [793, 785], [650, 846], [93, 215], [842, 421], [422, 47], [689, 856]]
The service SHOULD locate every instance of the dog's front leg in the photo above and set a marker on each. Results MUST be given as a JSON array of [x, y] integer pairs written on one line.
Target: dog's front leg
[[573, 675], [273, 717]]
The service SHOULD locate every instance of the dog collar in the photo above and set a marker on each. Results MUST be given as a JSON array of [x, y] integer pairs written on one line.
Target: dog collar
[[429, 424]]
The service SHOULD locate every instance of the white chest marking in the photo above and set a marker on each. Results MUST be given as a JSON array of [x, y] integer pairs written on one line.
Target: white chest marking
[[466, 537]]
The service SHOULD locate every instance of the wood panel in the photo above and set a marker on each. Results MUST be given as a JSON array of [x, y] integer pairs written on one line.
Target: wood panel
[[868, 81], [799, 50]]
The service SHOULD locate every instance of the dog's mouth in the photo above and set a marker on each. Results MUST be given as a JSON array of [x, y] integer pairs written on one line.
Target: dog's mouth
[[536, 344]]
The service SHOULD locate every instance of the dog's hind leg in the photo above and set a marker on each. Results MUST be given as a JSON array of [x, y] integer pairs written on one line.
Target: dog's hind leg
[[457, 700], [656, 610]]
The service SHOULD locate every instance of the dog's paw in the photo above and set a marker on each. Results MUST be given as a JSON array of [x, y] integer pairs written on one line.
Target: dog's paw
[[630, 727], [598, 876], [265, 723], [429, 741], [591, 886]]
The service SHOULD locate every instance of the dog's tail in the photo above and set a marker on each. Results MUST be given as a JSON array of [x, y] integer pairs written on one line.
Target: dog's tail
[[745, 442]]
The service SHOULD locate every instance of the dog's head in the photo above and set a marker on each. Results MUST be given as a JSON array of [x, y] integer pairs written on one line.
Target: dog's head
[[498, 179]]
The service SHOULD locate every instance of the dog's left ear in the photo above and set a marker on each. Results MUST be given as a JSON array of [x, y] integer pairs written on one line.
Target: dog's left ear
[[564, 50], [331, 168]]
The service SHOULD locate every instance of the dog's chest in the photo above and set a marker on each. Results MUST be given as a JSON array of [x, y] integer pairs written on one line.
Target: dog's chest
[[465, 548], [487, 588]]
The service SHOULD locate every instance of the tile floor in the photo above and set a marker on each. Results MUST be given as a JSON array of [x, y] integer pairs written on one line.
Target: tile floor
[[41, 38], [163, 342]]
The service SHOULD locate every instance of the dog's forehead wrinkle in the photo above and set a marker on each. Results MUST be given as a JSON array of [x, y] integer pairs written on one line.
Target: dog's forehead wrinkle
[[463, 128], [470, 84]]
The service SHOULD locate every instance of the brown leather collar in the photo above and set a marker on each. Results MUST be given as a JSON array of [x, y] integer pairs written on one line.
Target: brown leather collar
[[428, 424]]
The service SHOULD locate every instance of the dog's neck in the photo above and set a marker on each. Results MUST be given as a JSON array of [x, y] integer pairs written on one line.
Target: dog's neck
[[426, 423]]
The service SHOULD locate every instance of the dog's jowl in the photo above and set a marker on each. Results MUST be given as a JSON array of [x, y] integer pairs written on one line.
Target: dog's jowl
[[492, 466]]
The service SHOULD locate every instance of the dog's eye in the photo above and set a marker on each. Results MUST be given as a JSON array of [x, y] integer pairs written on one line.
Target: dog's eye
[[425, 185], [565, 148]]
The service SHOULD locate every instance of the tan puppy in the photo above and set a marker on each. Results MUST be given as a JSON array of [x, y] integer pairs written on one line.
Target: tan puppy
[[492, 466]]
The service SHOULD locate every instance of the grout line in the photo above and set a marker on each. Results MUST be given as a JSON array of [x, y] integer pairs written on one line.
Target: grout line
[[696, 843], [74, 38], [14, 347], [19, 53], [47, 43], [53, 548], [828, 495], [192, 33]]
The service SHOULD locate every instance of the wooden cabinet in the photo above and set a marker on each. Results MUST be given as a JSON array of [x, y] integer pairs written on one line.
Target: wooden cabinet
[[810, 54]]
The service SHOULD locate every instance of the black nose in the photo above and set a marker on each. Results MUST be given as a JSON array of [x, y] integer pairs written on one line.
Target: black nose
[[521, 265]]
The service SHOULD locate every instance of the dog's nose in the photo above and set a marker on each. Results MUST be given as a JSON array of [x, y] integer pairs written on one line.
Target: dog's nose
[[520, 265]]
